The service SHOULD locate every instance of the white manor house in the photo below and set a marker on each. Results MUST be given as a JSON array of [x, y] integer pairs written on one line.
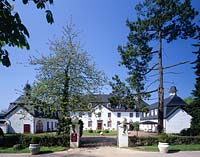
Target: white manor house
[[102, 116]]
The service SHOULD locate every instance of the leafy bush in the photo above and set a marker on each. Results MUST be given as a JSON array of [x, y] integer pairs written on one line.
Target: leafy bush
[[172, 140], [81, 127], [98, 131], [25, 140], [106, 131], [90, 131], [18, 147], [163, 137], [1, 132], [35, 140], [190, 132]]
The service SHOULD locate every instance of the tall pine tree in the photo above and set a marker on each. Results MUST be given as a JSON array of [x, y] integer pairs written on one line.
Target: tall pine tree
[[194, 107], [157, 20]]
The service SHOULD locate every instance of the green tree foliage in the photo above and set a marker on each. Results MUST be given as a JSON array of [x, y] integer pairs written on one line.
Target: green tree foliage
[[157, 20], [189, 100], [12, 31], [194, 107], [67, 77], [123, 97]]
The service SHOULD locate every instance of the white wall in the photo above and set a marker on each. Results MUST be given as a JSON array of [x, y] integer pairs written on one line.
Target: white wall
[[149, 127], [178, 121], [44, 122], [17, 119], [104, 117]]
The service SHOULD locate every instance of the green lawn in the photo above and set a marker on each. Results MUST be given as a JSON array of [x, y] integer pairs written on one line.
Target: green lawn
[[26, 150], [96, 133], [183, 147]]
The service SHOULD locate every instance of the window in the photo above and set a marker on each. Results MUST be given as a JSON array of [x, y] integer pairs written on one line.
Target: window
[[90, 123], [131, 114], [80, 114], [156, 111], [118, 122], [137, 114], [89, 114], [109, 124], [152, 112], [56, 124], [109, 114], [99, 114], [52, 126], [118, 114], [48, 126]]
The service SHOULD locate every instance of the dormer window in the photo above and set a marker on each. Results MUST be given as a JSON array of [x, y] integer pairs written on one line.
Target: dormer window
[[99, 114], [89, 114], [118, 114]]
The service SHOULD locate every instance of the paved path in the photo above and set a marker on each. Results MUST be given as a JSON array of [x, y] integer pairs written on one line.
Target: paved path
[[108, 152]]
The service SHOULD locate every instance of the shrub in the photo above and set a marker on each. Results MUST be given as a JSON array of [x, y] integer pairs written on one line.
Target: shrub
[[17, 147], [81, 127], [35, 140], [106, 131], [1, 132], [98, 131], [163, 137], [90, 131], [190, 132], [172, 140], [25, 139]]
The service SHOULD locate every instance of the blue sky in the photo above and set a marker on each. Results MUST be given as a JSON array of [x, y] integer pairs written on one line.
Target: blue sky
[[102, 28]]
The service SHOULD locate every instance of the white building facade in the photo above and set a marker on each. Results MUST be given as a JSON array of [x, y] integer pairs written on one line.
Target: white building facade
[[175, 116], [105, 118]]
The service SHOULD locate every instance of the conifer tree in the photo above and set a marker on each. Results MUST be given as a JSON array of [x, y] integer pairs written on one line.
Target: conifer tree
[[194, 107], [157, 20]]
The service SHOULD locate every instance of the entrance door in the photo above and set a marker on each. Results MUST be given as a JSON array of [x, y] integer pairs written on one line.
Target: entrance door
[[99, 124], [27, 128]]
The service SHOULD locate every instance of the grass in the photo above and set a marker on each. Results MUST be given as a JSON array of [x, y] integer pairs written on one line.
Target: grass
[[26, 150], [183, 147], [96, 133]]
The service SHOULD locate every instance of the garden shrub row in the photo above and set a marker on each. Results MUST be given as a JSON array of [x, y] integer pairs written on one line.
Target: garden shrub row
[[173, 140], [25, 140]]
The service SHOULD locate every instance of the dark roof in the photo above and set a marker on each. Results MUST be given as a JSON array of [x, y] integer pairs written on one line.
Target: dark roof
[[172, 89], [2, 115], [28, 105], [171, 104], [103, 99], [148, 122]]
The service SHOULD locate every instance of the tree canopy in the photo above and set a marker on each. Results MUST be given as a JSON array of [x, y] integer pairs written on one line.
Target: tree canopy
[[13, 32], [157, 20], [67, 73], [194, 107]]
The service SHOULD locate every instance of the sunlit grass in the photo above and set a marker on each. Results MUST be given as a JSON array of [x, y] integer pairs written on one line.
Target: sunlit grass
[[26, 150], [183, 147]]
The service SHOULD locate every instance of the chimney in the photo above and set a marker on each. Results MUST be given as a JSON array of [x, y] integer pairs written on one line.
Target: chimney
[[172, 90]]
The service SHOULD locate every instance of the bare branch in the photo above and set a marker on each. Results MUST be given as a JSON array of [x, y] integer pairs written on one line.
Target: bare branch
[[151, 84], [173, 65], [180, 63]]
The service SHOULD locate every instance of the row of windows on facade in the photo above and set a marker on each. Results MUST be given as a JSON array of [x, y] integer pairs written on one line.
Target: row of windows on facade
[[109, 123], [39, 125], [151, 113], [109, 114]]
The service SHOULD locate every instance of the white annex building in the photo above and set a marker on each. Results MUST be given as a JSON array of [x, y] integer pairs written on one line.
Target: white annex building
[[24, 117], [175, 116]]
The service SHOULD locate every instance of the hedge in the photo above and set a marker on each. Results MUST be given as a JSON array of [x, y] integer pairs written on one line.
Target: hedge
[[24, 140], [173, 140]]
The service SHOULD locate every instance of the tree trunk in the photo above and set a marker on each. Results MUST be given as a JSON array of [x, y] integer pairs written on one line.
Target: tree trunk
[[160, 88]]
